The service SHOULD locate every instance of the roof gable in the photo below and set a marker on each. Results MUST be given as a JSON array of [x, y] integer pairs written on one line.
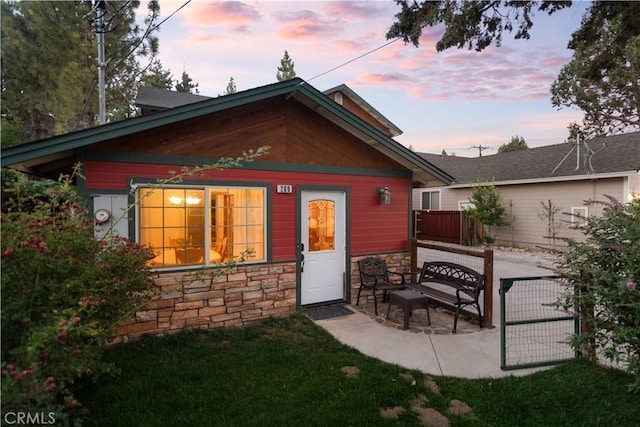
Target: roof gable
[[61, 150], [367, 110], [601, 155]]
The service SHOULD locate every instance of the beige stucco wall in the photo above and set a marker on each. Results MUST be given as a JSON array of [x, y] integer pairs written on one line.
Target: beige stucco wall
[[634, 185], [523, 204]]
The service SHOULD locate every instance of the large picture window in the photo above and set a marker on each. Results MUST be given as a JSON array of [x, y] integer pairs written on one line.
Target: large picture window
[[204, 225]]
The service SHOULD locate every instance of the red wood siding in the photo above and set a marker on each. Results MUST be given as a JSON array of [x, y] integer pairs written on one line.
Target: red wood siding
[[294, 133], [374, 228]]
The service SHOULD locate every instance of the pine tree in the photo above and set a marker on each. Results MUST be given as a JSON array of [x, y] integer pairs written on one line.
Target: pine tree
[[49, 67], [186, 85], [156, 76], [231, 87], [517, 143], [285, 70]]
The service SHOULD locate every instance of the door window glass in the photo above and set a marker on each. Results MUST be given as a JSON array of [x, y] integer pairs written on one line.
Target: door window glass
[[322, 225]]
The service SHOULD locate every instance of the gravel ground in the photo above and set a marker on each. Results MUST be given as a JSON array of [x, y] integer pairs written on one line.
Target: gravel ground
[[535, 258], [525, 257]]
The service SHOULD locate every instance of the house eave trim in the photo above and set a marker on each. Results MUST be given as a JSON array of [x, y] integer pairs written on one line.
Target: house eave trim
[[588, 177]]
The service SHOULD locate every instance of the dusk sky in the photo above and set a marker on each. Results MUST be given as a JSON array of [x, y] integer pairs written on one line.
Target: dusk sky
[[451, 100]]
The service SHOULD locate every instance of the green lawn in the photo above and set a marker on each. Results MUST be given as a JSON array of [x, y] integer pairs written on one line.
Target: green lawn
[[287, 372]]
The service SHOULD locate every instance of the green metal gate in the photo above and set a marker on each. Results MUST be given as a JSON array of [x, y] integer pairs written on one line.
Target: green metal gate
[[533, 330]]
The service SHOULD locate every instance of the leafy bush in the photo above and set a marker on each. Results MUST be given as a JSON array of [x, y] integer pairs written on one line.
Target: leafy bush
[[605, 273], [63, 294], [488, 208]]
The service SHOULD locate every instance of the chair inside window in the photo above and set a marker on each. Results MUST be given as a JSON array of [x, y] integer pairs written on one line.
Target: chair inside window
[[374, 275], [221, 248], [185, 253]]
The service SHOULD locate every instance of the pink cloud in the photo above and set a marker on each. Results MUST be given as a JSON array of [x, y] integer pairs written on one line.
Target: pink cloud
[[351, 46], [552, 120], [355, 10], [234, 15], [555, 62], [201, 37], [430, 36], [385, 78], [304, 24]]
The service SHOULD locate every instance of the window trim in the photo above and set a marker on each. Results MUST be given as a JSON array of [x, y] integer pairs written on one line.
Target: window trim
[[138, 184], [575, 222], [422, 193]]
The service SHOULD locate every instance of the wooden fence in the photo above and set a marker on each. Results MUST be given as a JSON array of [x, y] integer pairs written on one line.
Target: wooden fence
[[448, 227], [484, 265]]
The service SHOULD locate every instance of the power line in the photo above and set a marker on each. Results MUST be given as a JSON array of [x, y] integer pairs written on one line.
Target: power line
[[480, 148], [148, 31], [354, 59]]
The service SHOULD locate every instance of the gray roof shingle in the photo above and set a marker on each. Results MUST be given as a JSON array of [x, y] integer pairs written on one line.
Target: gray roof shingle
[[610, 154], [155, 98]]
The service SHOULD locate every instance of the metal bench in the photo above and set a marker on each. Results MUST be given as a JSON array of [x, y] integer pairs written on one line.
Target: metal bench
[[465, 283]]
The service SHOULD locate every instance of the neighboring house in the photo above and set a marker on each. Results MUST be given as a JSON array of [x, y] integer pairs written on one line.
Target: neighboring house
[[308, 210], [564, 175]]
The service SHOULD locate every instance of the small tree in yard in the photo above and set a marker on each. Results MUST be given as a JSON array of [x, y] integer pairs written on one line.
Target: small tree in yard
[[488, 208], [602, 277], [548, 212]]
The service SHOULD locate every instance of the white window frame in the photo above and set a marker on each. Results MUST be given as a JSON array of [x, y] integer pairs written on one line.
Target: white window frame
[[579, 215], [422, 192]]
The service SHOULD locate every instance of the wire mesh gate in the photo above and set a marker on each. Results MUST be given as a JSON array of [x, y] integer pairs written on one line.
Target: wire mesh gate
[[533, 330]]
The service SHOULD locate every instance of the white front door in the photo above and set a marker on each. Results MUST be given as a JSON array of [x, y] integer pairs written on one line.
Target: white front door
[[323, 229]]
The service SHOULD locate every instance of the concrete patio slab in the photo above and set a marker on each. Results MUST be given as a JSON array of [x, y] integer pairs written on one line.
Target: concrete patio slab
[[469, 355]]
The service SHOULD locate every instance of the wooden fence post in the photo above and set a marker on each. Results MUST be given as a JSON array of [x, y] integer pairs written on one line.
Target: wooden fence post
[[488, 288], [414, 260]]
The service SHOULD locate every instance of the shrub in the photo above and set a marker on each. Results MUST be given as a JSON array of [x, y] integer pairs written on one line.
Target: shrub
[[488, 208], [605, 273], [64, 292]]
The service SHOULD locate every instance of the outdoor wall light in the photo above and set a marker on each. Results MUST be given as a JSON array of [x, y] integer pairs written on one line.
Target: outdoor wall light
[[385, 195]]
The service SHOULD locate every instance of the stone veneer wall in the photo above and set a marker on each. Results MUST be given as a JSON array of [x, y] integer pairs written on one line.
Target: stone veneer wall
[[214, 298], [400, 262], [208, 299]]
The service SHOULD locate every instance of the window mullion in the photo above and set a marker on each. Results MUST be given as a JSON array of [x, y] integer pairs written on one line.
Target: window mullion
[[207, 226]]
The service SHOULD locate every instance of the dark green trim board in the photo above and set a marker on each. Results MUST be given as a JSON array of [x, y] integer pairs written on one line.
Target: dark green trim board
[[410, 214], [142, 181], [347, 237], [133, 218], [27, 155], [164, 159]]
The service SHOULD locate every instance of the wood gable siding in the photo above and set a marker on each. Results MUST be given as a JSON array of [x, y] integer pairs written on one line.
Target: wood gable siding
[[294, 133], [356, 109]]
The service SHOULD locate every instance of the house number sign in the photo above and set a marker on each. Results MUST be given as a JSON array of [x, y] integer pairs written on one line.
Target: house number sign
[[284, 189]]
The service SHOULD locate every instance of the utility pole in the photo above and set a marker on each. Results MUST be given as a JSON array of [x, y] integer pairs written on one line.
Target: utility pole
[[480, 149], [100, 28]]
